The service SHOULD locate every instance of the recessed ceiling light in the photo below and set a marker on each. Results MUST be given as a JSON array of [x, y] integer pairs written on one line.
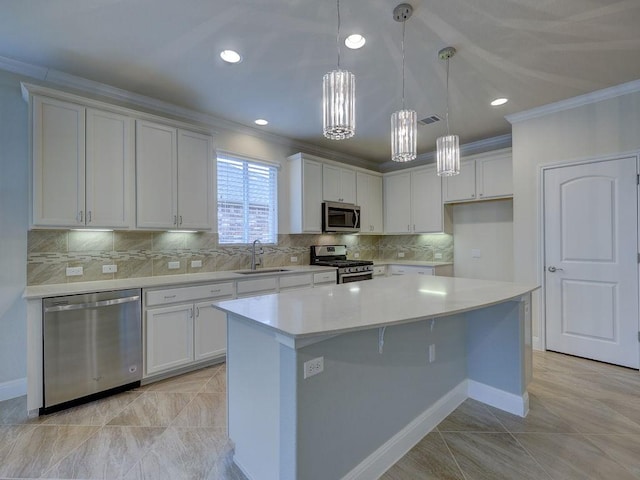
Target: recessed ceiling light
[[262, 122], [355, 41], [230, 56], [499, 101]]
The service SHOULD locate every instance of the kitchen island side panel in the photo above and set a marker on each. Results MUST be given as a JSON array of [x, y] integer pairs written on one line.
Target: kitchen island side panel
[[363, 397]]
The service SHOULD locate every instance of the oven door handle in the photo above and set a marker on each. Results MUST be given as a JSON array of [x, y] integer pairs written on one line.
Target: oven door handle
[[356, 274]]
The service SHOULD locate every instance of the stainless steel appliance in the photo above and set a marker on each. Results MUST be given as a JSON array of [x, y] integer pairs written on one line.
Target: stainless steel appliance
[[340, 217], [336, 256], [92, 346]]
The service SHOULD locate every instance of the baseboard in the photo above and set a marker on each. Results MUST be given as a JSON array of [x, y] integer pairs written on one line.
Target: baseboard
[[13, 388], [509, 402], [397, 446]]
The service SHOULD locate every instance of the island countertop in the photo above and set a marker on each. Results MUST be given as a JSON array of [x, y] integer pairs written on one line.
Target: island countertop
[[355, 306]]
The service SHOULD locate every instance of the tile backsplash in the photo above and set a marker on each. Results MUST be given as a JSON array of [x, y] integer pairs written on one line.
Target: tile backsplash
[[145, 254]]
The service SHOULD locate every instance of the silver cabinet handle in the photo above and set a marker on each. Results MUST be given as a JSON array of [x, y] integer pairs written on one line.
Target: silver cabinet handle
[[175, 220], [80, 217], [554, 269], [197, 311], [167, 297], [89, 216], [180, 219], [473, 195]]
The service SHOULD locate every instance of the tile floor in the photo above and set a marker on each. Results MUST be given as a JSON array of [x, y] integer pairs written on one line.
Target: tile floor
[[584, 423]]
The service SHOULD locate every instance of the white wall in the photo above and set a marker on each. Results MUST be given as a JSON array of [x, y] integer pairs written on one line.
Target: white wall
[[598, 129], [13, 235], [488, 227]]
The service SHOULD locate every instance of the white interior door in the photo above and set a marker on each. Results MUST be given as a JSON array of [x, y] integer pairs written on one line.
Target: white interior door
[[591, 268]]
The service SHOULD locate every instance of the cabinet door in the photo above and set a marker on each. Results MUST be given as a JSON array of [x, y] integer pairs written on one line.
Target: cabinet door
[[426, 201], [58, 163], [210, 327], [195, 165], [110, 170], [331, 189], [461, 187], [156, 175], [347, 185], [369, 198], [494, 176], [397, 203], [311, 197], [169, 338]]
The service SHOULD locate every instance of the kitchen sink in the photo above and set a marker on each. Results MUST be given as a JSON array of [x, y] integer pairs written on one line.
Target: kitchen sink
[[263, 270]]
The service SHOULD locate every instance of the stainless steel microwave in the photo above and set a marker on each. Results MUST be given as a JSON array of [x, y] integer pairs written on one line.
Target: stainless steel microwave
[[340, 217]]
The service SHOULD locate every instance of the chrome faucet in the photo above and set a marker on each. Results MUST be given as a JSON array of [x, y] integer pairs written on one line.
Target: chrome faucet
[[256, 260]]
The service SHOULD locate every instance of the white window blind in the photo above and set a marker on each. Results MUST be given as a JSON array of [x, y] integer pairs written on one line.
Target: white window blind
[[247, 201]]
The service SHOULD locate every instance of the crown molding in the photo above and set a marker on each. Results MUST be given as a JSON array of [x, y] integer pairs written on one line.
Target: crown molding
[[480, 146], [574, 102], [129, 99]]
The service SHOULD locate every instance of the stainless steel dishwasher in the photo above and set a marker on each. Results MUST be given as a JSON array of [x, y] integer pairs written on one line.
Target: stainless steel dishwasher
[[92, 346]]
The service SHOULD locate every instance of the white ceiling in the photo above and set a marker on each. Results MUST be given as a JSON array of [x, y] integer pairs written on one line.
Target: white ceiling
[[532, 51]]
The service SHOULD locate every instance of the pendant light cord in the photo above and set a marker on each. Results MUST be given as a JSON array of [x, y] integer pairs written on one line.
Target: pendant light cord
[[338, 36], [447, 96], [403, 25]]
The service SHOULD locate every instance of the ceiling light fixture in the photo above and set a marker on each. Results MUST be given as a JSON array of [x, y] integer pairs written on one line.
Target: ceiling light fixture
[[404, 124], [261, 121], [447, 146], [338, 100], [355, 41], [230, 56], [499, 101]]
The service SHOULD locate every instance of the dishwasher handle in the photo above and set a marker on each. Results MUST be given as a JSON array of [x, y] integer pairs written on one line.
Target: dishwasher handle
[[100, 304]]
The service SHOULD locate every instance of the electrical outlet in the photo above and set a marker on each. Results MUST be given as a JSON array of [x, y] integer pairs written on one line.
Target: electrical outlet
[[196, 263], [475, 253], [74, 271], [400, 254], [313, 367], [356, 255], [432, 353], [438, 256], [109, 268], [173, 265], [294, 259]]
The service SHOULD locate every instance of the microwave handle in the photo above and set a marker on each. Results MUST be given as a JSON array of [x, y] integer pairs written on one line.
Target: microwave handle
[[356, 218]]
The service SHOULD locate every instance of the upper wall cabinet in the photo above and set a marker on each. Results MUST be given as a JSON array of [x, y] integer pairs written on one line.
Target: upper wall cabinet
[[369, 198], [82, 166], [482, 177], [305, 194], [413, 202], [173, 178], [338, 184]]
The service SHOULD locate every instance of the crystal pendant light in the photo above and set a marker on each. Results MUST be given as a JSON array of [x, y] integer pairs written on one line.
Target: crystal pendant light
[[404, 124], [338, 100], [447, 146]]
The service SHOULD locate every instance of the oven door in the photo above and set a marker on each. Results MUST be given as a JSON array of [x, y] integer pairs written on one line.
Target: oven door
[[354, 277]]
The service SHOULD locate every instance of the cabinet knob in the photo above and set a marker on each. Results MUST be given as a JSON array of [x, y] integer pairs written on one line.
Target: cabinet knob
[[473, 195], [480, 195]]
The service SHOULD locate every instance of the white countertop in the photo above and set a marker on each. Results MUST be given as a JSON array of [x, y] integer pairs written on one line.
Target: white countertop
[[416, 263], [41, 291], [362, 305]]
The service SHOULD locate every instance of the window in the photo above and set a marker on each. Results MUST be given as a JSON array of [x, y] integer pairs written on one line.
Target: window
[[247, 201]]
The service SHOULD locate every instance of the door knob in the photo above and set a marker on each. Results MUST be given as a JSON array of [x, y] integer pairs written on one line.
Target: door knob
[[554, 269]]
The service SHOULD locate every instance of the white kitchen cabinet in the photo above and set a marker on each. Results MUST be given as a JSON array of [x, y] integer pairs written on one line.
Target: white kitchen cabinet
[[169, 338], [324, 278], [82, 166], [369, 198], [305, 194], [413, 202], [338, 184], [257, 286], [210, 331], [182, 327], [295, 282], [379, 271], [173, 177], [409, 269], [397, 203], [484, 176]]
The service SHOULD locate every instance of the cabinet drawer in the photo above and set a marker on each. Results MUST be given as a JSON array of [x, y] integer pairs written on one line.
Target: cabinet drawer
[[409, 269], [261, 285], [187, 294], [379, 270], [295, 281], [324, 277]]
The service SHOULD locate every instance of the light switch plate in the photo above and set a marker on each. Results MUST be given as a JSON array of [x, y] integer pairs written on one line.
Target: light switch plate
[[173, 265], [109, 268], [294, 259], [438, 256], [196, 263], [400, 254], [74, 271]]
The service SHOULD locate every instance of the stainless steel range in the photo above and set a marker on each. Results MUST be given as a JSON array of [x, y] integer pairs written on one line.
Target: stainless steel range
[[336, 256]]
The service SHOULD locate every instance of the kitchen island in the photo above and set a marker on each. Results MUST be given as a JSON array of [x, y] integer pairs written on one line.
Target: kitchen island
[[384, 362]]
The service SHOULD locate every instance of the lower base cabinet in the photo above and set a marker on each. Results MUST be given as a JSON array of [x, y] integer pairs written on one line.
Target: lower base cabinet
[[169, 338], [210, 332]]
